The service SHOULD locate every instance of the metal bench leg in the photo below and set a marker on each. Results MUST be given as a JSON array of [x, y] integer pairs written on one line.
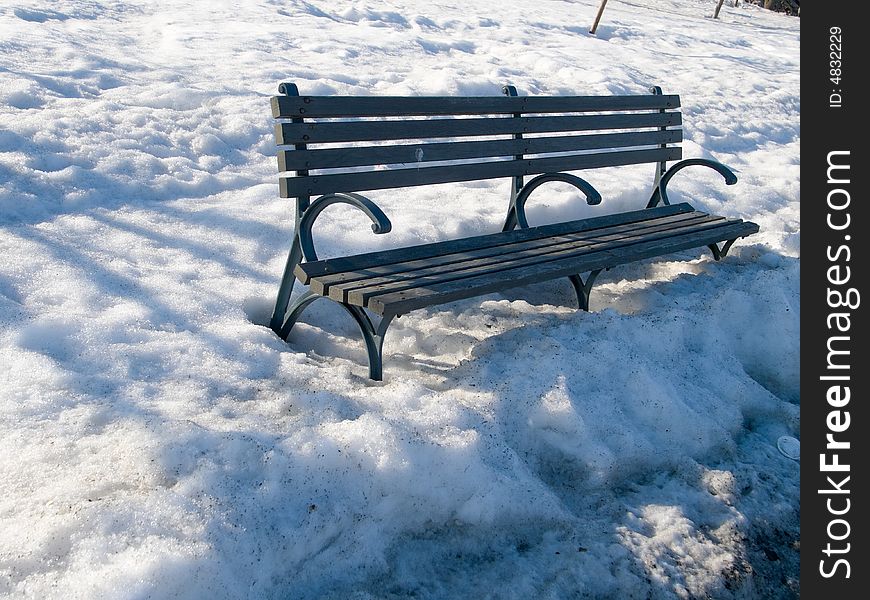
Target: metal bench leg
[[720, 253], [293, 313], [281, 310], [303, 248], [582, 289], [280, 313], [373, 337], [516, 217]]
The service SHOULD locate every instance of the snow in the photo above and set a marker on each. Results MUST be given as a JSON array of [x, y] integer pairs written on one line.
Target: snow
[[157, 441]]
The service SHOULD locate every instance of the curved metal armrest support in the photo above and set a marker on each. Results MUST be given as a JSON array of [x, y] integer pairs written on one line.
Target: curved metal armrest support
[[380, 222], [517, 211], [660, 193]]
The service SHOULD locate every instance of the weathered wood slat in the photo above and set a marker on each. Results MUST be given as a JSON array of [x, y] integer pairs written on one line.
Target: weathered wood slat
[[369, 106], [332, 158], [407, 300], [530, 258], [291, 187], [306, 271], [338, 286], [360, 131], [496, 247], [359, 292]]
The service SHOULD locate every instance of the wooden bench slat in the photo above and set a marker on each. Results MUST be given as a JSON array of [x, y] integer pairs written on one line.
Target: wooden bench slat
[[398, 261], [291, 187], [332, 158], [339, 285], [529, 258], [407, 300], [306, 271], [361, 131], [367, 106]]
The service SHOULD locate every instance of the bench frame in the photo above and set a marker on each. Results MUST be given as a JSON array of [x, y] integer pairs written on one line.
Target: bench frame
[[286, 312]]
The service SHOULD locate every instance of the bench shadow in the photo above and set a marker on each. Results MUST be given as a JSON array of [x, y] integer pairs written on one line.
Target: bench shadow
[[203, 252], [156, 316]]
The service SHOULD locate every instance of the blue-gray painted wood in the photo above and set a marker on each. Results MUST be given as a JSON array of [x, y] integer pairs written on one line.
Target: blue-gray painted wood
[[368, 106], [397, 265], [412, 299], [409, 154], [313, 185], [306, 271], [531, 259], [441, 270], [313, 132]]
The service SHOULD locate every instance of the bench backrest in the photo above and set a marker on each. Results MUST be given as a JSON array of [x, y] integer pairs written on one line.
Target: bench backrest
[[378, 142]]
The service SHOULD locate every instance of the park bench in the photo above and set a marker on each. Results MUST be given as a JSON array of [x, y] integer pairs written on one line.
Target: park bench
[[333, 147]]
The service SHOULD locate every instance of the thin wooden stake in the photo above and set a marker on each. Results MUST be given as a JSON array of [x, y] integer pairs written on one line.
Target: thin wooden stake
[[598, 16], [718, 8]]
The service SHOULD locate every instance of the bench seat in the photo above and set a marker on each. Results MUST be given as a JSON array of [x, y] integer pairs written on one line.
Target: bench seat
[[404, 279]]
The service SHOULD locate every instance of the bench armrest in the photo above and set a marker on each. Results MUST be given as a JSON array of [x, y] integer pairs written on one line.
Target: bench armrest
[[660, 192], [517, 211], [380, 222]]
